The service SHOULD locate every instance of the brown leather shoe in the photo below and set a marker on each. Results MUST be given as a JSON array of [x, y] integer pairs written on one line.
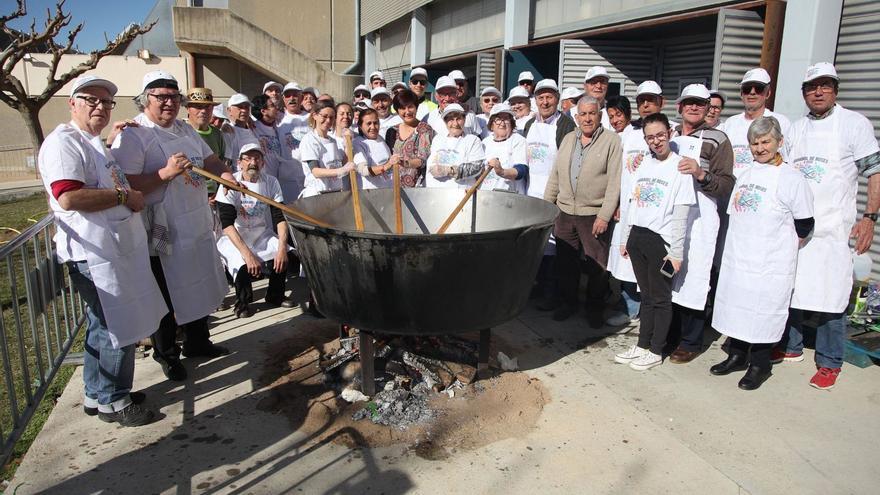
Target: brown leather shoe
[[681, 356]]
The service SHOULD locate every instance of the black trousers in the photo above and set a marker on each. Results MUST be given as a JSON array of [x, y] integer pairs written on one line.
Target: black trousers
[[760, 357], [692, 322], [244, 291], [646, 251], [164, 340]]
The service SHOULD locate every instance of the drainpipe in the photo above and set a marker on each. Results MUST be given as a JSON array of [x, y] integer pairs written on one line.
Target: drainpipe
[[357, 38], [190, 69]]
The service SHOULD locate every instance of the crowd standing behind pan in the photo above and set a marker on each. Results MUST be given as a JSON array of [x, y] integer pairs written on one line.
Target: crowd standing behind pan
[[743, 224]]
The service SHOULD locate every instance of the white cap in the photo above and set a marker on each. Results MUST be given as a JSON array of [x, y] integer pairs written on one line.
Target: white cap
[[238, 99], [500, 108], [291, 86], [272, 84], [154, 76], [518, 92], [398, 83], [451, 108], [546, 84], [444, 82], [697, 91], [362, 105], [376, 74], [491, 90], [822, 69], [250, 147], [220, 112], [569, 93], [418, 71], [457, 75], [313, 90], [596, 71], [758, 75], [719, 94], [86, 81], [649, 88], [381, 90], [361, 88], [525, 76]]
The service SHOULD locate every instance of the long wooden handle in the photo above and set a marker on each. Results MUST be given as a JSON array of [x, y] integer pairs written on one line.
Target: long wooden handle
[[398, 211], [235, 187], [470, 192], [355, 194]]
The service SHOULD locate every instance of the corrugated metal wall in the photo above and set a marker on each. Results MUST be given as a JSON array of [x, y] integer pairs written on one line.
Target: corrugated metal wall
[[486, 70], [394, 74], [627, 63], [460, 26], [393, 43], [858, 65], [377, 13], [737, 49], [684, 61]]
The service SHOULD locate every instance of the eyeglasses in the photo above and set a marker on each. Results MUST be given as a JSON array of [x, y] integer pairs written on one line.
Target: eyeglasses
[[748, 88], [171, 98], [418, 82], [823, 86], [597, 82], [491, 100], [93, 102], [659, 138], [715, 108], [695, 103], [527, 83]]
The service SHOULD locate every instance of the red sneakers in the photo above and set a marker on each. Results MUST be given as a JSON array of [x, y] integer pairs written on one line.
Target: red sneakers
[[824, 378], [777, 356]]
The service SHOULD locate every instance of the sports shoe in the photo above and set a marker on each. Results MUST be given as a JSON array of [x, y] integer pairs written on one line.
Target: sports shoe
[[824, 378], [172, 368], [777, 356], [136, 398], [208, 350], [283, 302], [630, 355], [646, 361], [619, 319], [132, 415]]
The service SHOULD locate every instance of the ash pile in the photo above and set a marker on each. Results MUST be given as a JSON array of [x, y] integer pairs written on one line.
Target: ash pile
[[409, 373]]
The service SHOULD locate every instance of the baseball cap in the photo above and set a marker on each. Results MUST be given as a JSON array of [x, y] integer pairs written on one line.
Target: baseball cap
[[518, 92], [757, 75], [250, 147], [313, 90], [238, 99], [444, 82], [159, 79], [361, 88], [457, 75], [86, 81], [500, 108], [418, 72], [694, 91], [569, 93], [596, 71], [400, 84], [376, 74], [491, 90], [451, 108], [822, 69], [381, 90], [291, 86], [546, 84], [649, 88], [525, 76], [272, 84], [220, 112]]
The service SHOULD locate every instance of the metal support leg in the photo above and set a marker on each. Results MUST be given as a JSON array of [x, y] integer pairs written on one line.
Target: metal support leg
[[368, 363], [483, 359]]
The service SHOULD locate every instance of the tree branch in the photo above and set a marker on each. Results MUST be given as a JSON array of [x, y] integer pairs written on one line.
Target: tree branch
[[21, 11]]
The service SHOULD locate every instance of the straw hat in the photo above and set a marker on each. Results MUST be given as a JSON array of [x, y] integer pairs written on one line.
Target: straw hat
[[200, 96]]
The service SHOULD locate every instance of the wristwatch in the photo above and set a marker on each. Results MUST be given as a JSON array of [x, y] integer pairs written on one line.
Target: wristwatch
[[706, 179], [870, 216]]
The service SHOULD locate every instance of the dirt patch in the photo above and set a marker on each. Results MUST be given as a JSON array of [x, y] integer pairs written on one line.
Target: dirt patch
[[504, 406]]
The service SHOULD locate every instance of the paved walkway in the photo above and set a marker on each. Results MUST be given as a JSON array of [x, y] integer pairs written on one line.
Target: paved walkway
[[607, 429]]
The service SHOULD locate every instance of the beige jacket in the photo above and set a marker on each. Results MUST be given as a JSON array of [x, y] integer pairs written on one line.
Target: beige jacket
[[598, 184]]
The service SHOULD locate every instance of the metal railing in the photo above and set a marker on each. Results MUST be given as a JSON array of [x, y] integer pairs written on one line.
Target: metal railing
[[40, 316]]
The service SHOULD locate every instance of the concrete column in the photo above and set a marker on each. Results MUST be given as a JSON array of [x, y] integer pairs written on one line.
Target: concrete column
[[370, 59], [418, 45], [517, 14], [811, 30]]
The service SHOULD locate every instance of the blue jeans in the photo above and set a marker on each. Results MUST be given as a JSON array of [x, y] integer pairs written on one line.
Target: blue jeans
[[108, 373], [631, 300], [830, 337]]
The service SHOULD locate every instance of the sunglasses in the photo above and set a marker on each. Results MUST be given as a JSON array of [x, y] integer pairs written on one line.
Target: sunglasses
[[747, 89], [418, 82]]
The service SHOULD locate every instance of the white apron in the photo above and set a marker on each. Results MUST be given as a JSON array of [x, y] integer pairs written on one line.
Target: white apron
[[254, 224], [116, 252], [193, 271], [635, 149], [737, 131], [505, 152], [373, 152], [759, 262], [451, 151], [541, 152], [330, 157], [825, 265], [690, 287]]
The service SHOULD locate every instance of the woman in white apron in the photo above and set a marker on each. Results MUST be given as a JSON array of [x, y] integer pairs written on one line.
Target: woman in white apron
[[457, 158], [771, 212], [654, 237], [320, 154], [505, 153], [372, 156], [634, 150]]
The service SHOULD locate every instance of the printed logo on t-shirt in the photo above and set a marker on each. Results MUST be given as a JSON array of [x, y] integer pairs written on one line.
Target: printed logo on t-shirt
[[251, 208], [191, 178], [742, 156], [634, 158], [813, 168], [270, 144], [748, 198], [447, 157], [649, 192], [292, 142], [537, 152], [117, 176]]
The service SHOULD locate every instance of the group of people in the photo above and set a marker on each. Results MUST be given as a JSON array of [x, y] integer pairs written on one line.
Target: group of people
[[742, 224]]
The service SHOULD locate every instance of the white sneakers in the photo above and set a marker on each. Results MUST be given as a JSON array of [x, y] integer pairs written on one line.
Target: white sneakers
[[639, 359]]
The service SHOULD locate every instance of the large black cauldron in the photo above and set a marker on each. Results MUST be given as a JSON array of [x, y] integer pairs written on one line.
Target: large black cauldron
[[477, 275]]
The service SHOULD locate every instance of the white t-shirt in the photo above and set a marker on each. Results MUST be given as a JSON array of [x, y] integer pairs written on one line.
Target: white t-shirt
[[388, 122], [241, 137], [292, 130], [372, 152], [439, 125], [657, 187], [327, 153], [253, 216], [635, 150], [450, 151], [510, 152], [137, 150], [737, 129], [521, 122]]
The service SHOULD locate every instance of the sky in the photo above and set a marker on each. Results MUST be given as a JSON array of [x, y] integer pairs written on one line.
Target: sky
[[97, 16]]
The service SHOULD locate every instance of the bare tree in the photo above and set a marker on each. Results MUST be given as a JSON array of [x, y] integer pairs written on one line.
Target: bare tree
[[14, 94]]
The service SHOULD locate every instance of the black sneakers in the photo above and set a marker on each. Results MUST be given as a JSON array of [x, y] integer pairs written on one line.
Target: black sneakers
[[172, 368], [136, 398], [208, 350], [133, 415]]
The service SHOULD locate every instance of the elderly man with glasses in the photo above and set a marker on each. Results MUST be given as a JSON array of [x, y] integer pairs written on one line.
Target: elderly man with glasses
[[447, 94], [155, 157], [596, 83]]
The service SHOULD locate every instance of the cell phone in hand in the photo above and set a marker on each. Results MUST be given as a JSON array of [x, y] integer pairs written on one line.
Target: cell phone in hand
[[667, 269]]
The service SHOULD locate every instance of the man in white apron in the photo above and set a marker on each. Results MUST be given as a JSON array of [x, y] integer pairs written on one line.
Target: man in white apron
[[585, 184], [754, 90], [708, 157], [101, 238], [250, 245], [830, 146], [183, 256], [292, 129], [596, 85]]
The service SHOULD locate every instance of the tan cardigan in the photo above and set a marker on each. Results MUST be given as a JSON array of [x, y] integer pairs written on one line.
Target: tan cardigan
[[598, 184]]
